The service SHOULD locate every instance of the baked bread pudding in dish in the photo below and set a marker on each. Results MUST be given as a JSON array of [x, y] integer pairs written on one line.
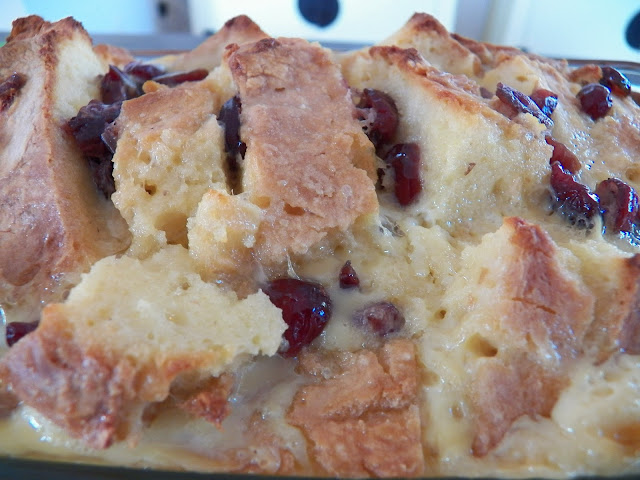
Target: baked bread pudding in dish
[[420, 258]]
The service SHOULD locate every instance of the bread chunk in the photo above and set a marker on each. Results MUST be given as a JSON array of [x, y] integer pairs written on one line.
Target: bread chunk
[[169, 153], [208, 54], [307, 159], [478, 166], [54, 223], [94, 367], [432, 40], [362, 415], [527, 314]]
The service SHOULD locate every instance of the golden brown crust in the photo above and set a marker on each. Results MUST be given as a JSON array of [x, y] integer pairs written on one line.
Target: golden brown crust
[[503, 390], [112, 55], [540, 317], [307, 159], [432, 40], [210, 401], [93, 393], [361, 416], [208, 54], [617, 327], [54, 222], [83, 394]]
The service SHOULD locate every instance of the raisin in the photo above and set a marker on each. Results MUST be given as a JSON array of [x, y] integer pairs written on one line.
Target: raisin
[[9, 88], [405, 160], [229, 119], [615, 81], [521, 103], [546, 100], [348, 276], [175, 78], [90, 128], [619, 205], [117, 86], [382, 318], [378, 115], [306, 309], [595, 100], [563, 155], [89, 124], [142, 71], [16, 330], [572, 199]]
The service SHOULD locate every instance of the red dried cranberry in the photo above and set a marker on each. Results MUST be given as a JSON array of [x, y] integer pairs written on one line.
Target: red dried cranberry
[[142, 71], [382, 318], [619, 205], [379, 116], [175, 78], [89, 124], [546, 100], [522, 103], [405, 160], [229, 119], [117, 86], [90, 128], [9, 88], [573, 199], [16, 330], [348, 276], [615, 81], [306, 309], [595, 100], [563, 155]]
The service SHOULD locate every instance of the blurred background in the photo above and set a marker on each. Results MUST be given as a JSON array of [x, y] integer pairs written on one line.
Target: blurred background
[[559, 28]]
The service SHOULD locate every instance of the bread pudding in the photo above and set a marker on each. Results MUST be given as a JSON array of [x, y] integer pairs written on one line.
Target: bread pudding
[[416, 259]]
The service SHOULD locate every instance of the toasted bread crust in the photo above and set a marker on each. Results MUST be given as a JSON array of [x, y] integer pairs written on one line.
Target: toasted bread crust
[[362, 417], [307, 158], [54, 223]]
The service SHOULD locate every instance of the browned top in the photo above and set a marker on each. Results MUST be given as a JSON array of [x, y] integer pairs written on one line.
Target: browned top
[[94, 394], [208, 54], [307, 160], [53, 221], [539, 315], [361, 416]]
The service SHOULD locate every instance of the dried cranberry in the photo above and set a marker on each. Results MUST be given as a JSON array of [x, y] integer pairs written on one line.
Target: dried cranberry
[[379, 116], [619, 205], [117, 86], [87, 127], [563, 155], [90, 128], [229, 119], [405, 160], [9, 88], [175, 78], [546, 100], [306, 309], [573, 199], [382, 318], [595, 100], [16, 330], [521, 103], [348, 276], [142, 71], [615, 81]]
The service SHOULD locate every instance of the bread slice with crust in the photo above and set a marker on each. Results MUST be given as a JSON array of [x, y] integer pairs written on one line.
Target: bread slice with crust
[[54, 223]]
